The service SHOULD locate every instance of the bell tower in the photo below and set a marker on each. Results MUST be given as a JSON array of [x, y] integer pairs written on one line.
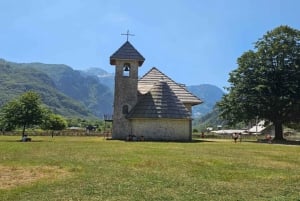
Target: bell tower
[[126, 60]]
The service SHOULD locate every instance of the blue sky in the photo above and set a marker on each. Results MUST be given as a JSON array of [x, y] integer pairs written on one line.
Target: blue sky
[[192, 41]]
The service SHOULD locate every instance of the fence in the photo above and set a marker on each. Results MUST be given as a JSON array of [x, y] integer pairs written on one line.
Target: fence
[[67, 132], [294, 137]]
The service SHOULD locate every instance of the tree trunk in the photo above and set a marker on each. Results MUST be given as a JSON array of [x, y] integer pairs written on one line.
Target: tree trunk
[[278, 131], [23, 132]]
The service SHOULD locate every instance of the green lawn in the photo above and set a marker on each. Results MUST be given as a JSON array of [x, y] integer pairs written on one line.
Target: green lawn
[[91, 168]]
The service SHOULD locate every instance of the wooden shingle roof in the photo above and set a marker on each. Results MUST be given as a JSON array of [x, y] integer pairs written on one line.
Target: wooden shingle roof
[[127, 52], [159, 102], [154, 75]]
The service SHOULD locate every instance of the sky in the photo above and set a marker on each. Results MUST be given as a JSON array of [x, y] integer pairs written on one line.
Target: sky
[[192, 41]]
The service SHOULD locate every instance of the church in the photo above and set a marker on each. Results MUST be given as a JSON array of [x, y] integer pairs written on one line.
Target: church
[[154, 107]]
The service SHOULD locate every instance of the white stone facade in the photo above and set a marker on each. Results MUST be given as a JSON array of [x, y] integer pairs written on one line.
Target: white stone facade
[[162, 129]]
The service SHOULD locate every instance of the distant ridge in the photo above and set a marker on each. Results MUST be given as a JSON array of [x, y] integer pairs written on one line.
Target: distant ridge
[[66, 91], [210, 94], [16, 79]]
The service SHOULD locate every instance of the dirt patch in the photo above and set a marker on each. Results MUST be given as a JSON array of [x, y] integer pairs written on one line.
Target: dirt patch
[[11, 176]]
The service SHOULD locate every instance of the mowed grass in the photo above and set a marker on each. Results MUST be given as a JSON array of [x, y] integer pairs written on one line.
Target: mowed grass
[[91, 168]]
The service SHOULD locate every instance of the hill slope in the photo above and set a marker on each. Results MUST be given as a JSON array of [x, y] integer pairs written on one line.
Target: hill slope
[[82, 87], [69, 91], [210, 94], [16, 79], [105, 78]]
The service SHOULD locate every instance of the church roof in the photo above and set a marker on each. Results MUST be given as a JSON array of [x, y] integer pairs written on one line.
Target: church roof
[[126, 52], [154, 75], [159, 102]]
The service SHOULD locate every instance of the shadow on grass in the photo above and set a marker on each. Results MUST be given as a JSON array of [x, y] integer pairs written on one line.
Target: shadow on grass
[[165, 141], [280, 142], [201, 141], [32, 141]]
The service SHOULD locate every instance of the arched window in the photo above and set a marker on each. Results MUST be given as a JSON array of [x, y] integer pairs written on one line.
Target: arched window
[[126, 70], [125, 109]]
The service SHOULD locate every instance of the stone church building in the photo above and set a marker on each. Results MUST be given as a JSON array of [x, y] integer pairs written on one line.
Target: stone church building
[[153, 107]]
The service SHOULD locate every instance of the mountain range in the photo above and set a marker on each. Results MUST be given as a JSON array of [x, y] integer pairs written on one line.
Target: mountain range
[[78, 93]]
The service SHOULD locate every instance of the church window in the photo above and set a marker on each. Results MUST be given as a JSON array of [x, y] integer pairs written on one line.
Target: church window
[[125, 109], [126, 70]]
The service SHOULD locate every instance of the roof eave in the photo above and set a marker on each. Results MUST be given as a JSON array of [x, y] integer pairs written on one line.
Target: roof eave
[[183, 118], [113, 61]]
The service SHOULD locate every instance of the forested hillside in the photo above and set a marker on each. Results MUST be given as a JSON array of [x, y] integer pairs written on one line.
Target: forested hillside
[[105, 78], [84, 88], [209, 94], [64, 90], [16, 80], [211, 119]]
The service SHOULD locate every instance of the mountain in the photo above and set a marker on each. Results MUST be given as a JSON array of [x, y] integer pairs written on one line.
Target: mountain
[[82, 87], [105, 78], [212, 119], [16, 79], [209, 94], [58, 84]]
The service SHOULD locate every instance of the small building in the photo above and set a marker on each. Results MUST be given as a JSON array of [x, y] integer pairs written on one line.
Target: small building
[[154, 107], [262, 127]]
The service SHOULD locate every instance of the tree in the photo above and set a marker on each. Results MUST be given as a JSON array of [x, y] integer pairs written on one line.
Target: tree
[[24, 111], [266, 84], [53, 122], [5, 125]]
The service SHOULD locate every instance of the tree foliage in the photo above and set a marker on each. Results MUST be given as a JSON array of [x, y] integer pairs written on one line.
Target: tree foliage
[[53, 122], [266, 83], [24, 111]]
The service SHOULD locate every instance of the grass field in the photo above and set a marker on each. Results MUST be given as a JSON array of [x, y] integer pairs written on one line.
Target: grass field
[[91, 168]]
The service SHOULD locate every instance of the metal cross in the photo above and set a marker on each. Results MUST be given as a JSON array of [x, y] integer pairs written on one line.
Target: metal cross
[[128, 34]]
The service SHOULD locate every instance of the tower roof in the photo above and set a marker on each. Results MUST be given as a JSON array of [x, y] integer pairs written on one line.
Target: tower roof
[[127, 52], [154, 75], [160, 102]]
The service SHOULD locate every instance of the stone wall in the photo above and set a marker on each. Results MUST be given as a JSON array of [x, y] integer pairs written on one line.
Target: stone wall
[[125, 96], [162, 129]]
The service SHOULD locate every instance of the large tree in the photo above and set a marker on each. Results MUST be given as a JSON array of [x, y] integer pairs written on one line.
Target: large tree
[[266, 84], [25, 111]]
